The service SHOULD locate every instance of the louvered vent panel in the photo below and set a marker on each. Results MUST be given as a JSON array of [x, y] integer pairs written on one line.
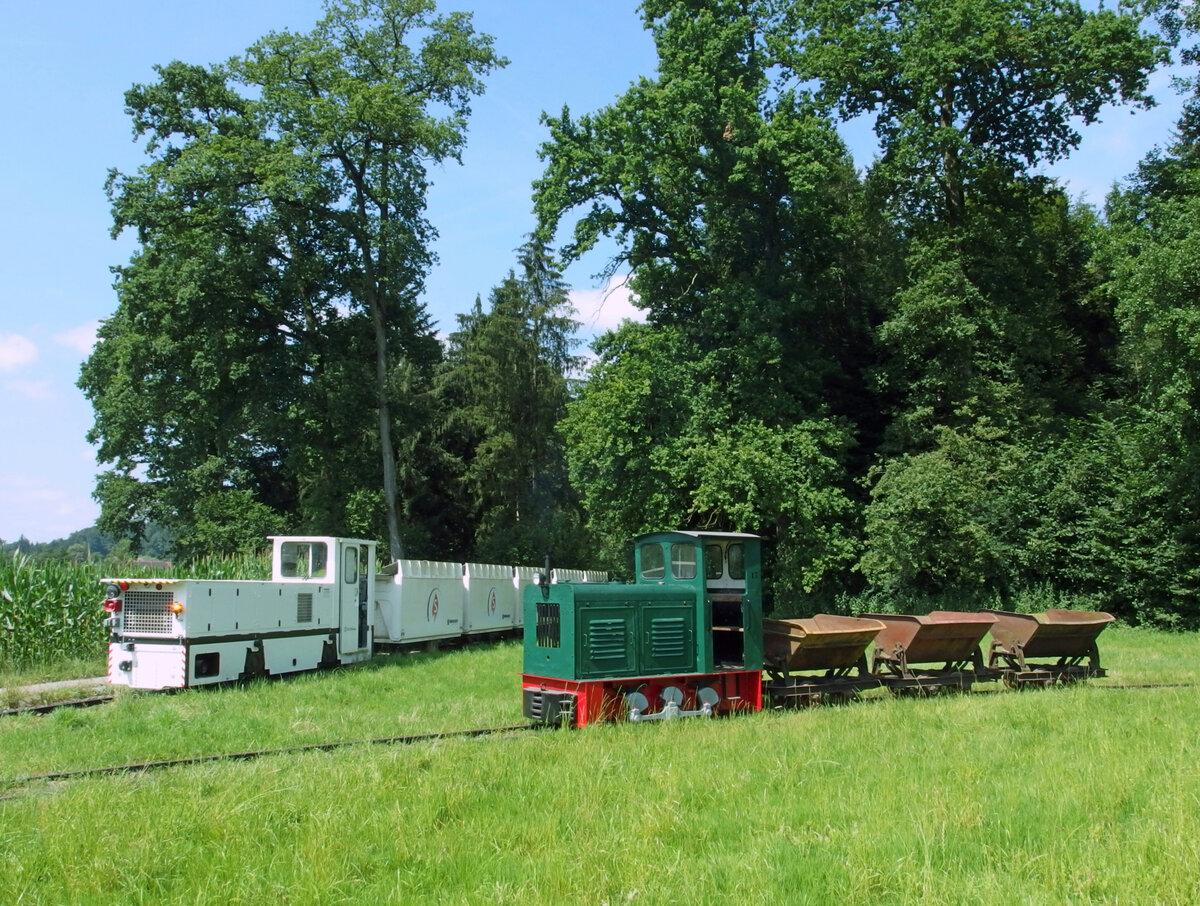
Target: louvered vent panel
[[607, 640], [304, 602], [668, 636]]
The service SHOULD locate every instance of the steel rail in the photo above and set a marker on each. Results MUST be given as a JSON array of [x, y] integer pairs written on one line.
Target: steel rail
[[141, 767], [91, 701], [1145, 686], [412, 739], [47, 707]]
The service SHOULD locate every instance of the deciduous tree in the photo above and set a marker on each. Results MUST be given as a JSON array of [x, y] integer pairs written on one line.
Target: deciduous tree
[[283, 242]]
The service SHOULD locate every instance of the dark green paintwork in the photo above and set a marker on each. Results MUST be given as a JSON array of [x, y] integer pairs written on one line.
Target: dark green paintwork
[[612, 630], [651, 628]]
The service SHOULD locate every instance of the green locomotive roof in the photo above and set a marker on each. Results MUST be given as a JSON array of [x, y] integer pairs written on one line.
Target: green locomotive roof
[[685, 533]]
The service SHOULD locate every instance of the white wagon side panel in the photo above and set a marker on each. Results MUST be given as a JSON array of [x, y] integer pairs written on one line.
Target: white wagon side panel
[[491, 598], [422, 601], [524, 576], [578, 576]]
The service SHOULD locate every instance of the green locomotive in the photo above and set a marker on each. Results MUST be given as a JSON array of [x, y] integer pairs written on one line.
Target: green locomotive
[[685, 639]]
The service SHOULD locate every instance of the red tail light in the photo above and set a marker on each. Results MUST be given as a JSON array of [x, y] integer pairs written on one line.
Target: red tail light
[[112, 606]]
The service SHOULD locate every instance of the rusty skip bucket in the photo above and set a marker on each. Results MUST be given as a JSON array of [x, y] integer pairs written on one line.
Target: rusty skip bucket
[[1055, 633], [943, 636], [823, 642]]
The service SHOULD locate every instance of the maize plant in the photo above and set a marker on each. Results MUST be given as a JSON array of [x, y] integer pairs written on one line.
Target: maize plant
[[50, 610]]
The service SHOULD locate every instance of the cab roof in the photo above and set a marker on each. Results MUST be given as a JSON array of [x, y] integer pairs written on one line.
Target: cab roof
[[718, 536]]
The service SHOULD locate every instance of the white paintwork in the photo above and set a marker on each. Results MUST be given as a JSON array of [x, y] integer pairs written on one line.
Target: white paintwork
[[491, 598], [525, 576], [422, 600], [151, 667], [578, 576], [286, 624]]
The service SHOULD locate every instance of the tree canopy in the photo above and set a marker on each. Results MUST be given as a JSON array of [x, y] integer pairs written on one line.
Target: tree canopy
[[961, 88], [737, 209], [504, 387], [283, 247], [927, 377]]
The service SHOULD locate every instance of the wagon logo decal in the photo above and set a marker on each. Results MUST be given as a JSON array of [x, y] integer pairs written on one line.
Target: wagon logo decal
[[433, 604], [492, 601]]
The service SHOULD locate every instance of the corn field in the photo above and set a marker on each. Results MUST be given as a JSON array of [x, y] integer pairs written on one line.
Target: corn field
[[50, 610]]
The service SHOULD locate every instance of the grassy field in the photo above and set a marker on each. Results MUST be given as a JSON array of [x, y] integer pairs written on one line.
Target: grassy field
[[1081, 795]]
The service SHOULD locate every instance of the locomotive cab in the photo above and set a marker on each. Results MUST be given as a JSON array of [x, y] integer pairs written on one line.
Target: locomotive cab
[[725, 569]]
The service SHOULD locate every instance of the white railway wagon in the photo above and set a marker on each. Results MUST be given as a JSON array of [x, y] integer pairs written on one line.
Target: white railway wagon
[[577, 576], [490, 603], [526, 575], [314, 612], [430, 600], [419, 601], [324, 605]]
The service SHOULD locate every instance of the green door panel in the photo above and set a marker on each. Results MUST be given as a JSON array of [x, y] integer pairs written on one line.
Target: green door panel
[[607, 639], [668, 639]]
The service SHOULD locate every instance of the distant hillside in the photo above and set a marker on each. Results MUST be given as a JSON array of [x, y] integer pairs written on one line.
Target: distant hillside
[[93, 543]]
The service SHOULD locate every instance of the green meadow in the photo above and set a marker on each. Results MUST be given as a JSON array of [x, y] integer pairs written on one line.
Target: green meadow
[[1074, 795]]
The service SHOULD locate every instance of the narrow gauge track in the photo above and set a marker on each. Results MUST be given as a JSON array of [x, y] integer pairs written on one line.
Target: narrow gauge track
[[1148, 686], [141, 767], [91, 701], [47, 707], [144, 766]]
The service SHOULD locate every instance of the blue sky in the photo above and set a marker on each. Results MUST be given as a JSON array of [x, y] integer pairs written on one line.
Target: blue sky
[[65, 68]]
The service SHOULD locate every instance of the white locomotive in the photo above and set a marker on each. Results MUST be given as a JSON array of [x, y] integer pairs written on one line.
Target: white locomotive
[[324, 605]]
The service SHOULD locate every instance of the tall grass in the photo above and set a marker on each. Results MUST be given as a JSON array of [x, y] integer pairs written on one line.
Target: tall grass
[[49, 611], [51, 620], [1063, 796]]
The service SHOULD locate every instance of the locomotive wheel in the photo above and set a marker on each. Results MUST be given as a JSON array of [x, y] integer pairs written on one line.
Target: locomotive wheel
[[636, 701], [672, 695]]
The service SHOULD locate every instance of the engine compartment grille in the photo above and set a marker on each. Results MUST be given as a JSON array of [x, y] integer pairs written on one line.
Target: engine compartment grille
[[148, 612]]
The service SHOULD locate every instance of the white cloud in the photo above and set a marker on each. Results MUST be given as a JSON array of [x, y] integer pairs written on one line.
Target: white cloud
[[81, 339], [16, 352], [605, 308]]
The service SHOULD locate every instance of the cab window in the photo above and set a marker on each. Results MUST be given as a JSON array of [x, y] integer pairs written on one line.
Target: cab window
[[653, 563], [351, 566], [302, 559], [683, 561], [737, 562], [714, 565]]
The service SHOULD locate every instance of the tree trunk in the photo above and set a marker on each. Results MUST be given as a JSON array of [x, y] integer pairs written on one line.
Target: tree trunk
[[952, 186], [386, 453]]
